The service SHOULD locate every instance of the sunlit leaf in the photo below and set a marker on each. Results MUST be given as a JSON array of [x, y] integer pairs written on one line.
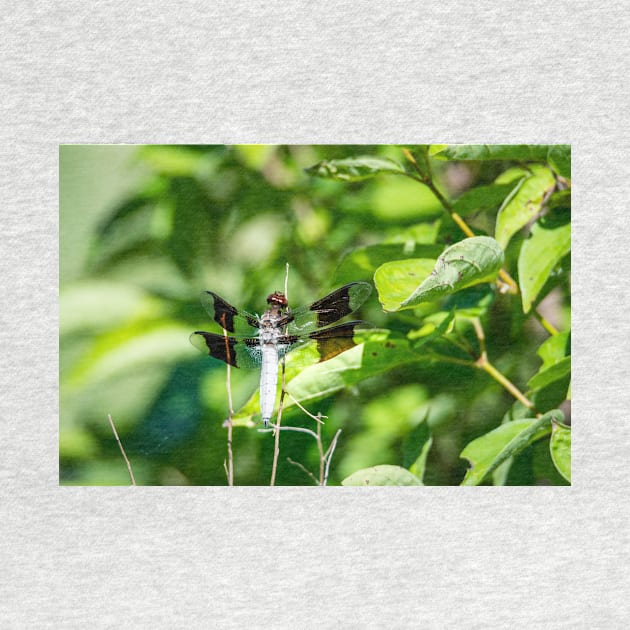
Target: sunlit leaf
[[464, 264], [551, 374], [361, 263], [560, 448], [548, 242], [492, 449], [396, 281], [554, 349], [384, 475], [354, 169], [524, 204]]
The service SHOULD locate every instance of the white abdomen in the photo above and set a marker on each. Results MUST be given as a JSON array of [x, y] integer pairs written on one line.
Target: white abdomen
[[268, 381]]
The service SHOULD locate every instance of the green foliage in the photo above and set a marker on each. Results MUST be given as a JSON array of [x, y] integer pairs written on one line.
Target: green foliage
[[468, 247]]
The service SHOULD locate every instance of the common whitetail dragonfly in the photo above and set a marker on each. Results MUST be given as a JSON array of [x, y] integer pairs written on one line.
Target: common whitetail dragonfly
[[280, 330]]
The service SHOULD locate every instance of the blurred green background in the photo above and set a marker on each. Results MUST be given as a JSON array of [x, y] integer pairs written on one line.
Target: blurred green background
[[144, 229]]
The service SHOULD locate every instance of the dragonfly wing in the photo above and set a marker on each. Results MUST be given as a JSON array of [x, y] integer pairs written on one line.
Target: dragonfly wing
[[241, 352], [229, 317], [322, 344], [328, 309]]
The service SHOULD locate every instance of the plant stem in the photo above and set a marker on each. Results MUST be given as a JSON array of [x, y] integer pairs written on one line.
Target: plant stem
[[485, 365], [122, 450], [508, 285], [547, 325], [229, 467]]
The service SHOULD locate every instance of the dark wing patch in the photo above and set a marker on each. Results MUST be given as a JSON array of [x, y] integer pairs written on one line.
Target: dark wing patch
[[242, 352], [226, 315], [328, 309], [335, 340]]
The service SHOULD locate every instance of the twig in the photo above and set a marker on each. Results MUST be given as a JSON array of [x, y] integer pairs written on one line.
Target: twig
[[329, 454], [122, 450], [317, 418], [276, 427], [320, 448], [484, 364], [276, 448], [546, 324], [229, 468], [303, 468]]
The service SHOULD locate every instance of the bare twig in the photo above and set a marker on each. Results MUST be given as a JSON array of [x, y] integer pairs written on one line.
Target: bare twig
[[276, 448], [317, 418], [229, 467], [329, 454], [484, 364], [122, 450], [276, 427]]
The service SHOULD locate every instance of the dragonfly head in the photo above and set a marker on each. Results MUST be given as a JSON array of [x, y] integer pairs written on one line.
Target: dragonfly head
[[277, 298]]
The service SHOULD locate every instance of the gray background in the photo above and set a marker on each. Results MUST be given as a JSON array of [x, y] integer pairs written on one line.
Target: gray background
[[208, 72]]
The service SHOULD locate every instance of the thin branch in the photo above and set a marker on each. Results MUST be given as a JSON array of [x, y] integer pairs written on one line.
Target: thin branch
[[303, 468], [320, 448], [229, 468], [122, 450], [481, 336], [276, 448], [276, 427], [546, 324], [317, 418], [329, 454], [484, 364]]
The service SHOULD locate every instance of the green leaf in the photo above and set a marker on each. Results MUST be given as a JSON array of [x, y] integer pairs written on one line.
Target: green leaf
[[354, 169], [361, 263], [417, 445], [493, 448], [396, 281], [384, 475], [524, 204], [554, 349], [464, 264], [548, 242], [517, 152], [551, 374], [482, 198], [377, 354], [560, 448]]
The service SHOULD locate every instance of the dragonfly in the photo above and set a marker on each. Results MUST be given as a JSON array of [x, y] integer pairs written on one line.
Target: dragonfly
[[262, 342]]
